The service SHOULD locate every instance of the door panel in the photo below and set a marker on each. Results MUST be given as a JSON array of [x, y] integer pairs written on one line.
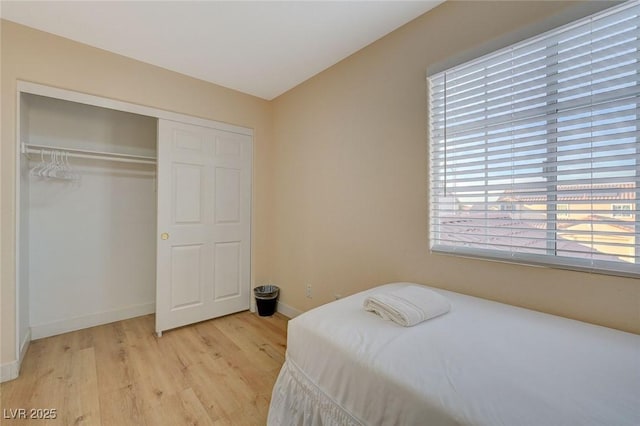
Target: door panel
[[187, 193], [228, 147], [227, 195], [204, 211], [187, 139], [186, 278], [227, 270]]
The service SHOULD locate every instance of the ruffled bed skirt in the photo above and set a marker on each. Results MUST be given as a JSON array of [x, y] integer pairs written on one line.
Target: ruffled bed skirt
[[298, 401]]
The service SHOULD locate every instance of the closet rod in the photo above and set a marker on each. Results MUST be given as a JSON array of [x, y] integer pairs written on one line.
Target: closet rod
[[83, 153]]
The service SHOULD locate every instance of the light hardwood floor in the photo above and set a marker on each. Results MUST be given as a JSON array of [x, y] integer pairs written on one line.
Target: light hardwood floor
[[217, 372]]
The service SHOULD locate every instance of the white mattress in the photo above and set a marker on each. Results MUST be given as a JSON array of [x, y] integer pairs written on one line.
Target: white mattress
[[483, 363]]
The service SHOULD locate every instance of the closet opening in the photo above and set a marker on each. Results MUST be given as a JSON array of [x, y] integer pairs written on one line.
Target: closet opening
[[87, 215]]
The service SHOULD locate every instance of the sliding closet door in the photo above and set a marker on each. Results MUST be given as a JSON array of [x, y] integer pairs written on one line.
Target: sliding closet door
[[204, 217]]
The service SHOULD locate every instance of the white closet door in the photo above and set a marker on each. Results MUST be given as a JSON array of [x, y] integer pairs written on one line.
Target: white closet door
[[204, 224]]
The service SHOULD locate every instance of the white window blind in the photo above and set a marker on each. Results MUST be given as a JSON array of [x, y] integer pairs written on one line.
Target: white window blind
[[533, 149]]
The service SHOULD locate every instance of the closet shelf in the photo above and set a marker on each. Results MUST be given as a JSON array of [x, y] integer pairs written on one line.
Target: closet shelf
[[84, 153]]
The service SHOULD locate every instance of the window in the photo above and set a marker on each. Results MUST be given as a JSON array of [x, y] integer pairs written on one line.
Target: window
[[562, 211], [507, 207], [526, 134], [622, 210]]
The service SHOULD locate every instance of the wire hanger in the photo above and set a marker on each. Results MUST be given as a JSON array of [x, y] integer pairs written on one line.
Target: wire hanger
[[58, 166]]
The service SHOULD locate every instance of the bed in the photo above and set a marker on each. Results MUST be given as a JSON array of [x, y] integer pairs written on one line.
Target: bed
[[482, 363]]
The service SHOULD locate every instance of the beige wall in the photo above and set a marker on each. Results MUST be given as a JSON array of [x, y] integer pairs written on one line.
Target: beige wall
[[350, 179], [39, 57], [340, 173]]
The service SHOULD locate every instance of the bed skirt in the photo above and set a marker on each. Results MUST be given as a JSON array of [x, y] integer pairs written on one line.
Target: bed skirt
[[298, 401]]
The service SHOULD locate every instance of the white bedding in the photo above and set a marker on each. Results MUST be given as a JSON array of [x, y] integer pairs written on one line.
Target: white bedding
[[483, 363]]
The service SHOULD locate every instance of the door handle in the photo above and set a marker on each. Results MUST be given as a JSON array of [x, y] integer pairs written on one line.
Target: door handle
[[164, 236]]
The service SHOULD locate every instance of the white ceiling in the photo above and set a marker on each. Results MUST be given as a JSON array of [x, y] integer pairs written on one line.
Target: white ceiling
[[262, 48]]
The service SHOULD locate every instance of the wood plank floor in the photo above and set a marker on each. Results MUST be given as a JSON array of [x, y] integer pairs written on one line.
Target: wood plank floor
[[218, 372]]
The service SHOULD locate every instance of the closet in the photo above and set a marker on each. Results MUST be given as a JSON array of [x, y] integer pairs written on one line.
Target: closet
[[126, 210]]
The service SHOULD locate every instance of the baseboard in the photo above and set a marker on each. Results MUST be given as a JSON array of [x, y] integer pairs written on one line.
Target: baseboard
[[11, 370], [8, 371], [64, 326], [26, 340], [287, 310]]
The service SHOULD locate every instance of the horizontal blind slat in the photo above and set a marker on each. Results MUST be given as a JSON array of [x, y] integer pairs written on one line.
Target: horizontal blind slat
[[609, 77], [537, 78], [547, 57], [570, 36], [550, 103], [497, 129]]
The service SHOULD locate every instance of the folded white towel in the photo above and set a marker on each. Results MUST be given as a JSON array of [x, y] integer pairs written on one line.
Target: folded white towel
[[408, 305]]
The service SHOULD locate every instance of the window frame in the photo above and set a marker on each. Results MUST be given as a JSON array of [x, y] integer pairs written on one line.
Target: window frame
[[551, 258]]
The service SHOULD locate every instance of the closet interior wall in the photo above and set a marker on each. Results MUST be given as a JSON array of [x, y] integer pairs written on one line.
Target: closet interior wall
[[88, 250]]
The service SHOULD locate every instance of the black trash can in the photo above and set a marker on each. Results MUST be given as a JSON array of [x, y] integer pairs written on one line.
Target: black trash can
[[266, 299]]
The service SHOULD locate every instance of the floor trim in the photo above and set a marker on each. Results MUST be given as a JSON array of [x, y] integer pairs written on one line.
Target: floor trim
[[8, 371], [287, 310], [24, 346], [64, 326]]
